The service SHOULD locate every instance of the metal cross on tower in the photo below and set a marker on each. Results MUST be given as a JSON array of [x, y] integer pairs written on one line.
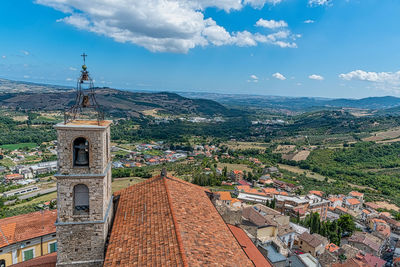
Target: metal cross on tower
[[84, 58]]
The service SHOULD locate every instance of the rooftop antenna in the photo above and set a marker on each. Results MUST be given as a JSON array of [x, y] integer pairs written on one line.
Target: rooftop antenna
[[85, 98]]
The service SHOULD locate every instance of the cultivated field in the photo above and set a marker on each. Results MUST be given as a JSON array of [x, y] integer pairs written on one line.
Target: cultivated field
[[232, 167], [386, 205], [298, 170], [151, 112], [246, 145], [388, 135], [284, 149]]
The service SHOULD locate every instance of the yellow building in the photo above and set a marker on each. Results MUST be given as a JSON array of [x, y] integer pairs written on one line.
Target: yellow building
[[27, 236]]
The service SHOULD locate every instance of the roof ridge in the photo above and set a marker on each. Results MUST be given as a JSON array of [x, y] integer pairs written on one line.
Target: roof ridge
[[178, 235]]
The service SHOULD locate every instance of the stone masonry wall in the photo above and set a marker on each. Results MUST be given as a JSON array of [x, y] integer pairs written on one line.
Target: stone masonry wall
[[97, 150], [81, 242]]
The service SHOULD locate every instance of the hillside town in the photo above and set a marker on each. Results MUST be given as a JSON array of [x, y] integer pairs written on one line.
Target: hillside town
[[269, 211]]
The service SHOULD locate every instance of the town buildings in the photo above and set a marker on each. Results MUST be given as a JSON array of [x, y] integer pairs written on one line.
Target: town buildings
[[27, 236]]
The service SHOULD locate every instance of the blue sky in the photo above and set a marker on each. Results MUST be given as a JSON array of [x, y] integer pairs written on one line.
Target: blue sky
[[321, 48]]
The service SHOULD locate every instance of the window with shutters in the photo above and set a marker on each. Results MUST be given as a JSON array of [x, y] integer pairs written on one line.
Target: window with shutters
[[53, 247], [28, 254], [81, 199]]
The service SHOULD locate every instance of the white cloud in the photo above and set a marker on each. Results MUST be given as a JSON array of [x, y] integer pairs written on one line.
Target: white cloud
[[3, 57], [377, 77], [162, 25], [316, 77], [68, 79], [318, 2], [271, 24], [26, 53], [279, 76], [253, 78], [309, 21], [261, 3], [72, 68], [27, 76]]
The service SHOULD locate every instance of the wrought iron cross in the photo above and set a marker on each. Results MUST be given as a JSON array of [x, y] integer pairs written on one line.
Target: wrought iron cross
[[84, 58]]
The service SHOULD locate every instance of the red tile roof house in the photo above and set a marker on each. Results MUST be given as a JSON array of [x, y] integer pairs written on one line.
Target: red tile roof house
[[361, 260], [13, 177], [33, 232], [367, 243], [358, 195], [352, 203]]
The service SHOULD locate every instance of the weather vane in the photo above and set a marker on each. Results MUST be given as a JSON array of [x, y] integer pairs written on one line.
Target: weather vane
[[85, 98]]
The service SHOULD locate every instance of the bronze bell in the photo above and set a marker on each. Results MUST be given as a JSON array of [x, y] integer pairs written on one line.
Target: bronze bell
[[82, 155]]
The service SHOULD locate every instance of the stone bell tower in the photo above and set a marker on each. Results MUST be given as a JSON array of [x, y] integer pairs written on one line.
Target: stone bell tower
[[84, 199]]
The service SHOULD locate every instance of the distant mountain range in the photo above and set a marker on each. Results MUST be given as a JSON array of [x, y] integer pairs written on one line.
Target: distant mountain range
[[42, 96], [298, 103], [115, 102]]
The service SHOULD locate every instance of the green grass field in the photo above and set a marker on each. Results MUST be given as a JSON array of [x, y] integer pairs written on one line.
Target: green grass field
[[18, 146]]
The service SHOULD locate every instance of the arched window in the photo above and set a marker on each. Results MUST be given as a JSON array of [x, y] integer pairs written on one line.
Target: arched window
[[81, 152], [81, 199]]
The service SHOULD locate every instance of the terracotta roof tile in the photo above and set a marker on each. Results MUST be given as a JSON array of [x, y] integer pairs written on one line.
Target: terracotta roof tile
[[224, 195], [332, 247], [356, 194], [170, 222], [143, 232], [353, 201], [27, 226], [250, 249], [315, 192]]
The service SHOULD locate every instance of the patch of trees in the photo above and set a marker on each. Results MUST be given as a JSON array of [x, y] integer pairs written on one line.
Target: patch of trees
[[334, 230], [130, 172]]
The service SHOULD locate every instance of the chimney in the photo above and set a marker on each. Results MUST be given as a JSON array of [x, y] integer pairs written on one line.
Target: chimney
[[163, 172]]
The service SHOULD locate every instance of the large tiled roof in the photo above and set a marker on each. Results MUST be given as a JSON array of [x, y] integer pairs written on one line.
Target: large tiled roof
[[165, 221], [27, 226]]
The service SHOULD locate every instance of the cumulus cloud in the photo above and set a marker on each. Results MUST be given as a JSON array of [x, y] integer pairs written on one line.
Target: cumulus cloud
[[27, 76], [68, 79], [318, 2], [369, 76], [163, 25], [72, 68], [26, 53], [309, 21], [3, 57], [279, 76], [271, 24], [316, 77]]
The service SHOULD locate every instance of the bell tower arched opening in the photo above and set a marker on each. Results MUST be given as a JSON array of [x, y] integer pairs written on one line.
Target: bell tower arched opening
[[81, 199], [81, 152]]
